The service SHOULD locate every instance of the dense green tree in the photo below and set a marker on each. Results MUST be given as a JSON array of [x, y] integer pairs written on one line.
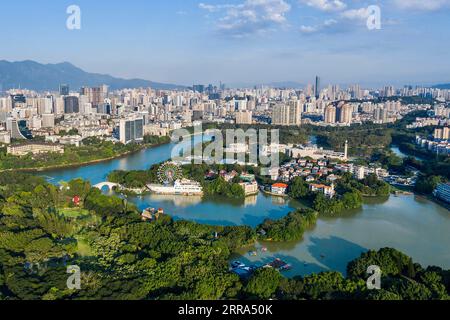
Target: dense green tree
[[263, 283], [289, 228], [426, 185], [298, 188]]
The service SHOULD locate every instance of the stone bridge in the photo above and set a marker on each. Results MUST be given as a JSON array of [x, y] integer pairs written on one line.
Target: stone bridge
[[110, 185]]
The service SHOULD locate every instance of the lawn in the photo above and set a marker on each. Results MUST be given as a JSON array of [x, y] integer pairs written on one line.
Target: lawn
[[73, 212]]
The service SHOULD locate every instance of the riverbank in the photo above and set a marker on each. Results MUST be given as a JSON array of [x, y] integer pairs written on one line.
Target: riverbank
[[86, 163], [340, 238]]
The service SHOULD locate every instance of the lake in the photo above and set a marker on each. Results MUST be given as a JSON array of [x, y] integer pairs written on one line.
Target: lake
[[414, 225]]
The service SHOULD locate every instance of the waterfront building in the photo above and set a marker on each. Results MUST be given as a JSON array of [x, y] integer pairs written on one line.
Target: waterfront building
[[156, 130], [180, 187], [250, 188], [131, 130], [314, 152], [279, 188], [247, 177], [34, 148], [327, 191]]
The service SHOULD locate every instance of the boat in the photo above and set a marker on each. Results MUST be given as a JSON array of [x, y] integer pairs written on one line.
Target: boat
[[279, 265], [180, 187], [237, 264]]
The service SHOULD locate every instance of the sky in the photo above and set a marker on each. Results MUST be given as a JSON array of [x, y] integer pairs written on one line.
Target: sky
[[237, 42]]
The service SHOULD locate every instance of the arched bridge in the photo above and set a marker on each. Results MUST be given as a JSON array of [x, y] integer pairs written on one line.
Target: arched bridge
[[110, 185]]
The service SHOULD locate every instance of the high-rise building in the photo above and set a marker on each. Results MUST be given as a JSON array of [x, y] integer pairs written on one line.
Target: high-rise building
[[244, 117], [442, 133], [71, 104], [96, 95], [64, 90], [197, 115], [44, 105], [240, 104], [289, 114], [6, 104], [380, 114], [131, 130], [330, 114], [198, 88], [48, 120], [18, 129], [345, 114], [317, 88], [295, 112]]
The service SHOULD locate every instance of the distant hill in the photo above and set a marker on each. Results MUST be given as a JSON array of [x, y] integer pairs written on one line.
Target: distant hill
[[286, 84], [442, 86], [47, 77], [277, 85]]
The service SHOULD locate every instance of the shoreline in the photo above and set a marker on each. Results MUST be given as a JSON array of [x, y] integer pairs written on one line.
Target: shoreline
[[83, 164]]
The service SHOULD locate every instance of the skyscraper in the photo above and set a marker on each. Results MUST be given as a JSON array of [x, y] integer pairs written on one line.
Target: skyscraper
[[131, 130], [289, 114], [18, 129], [71, 105], [380, 114], [198, 88], [330, 114], [345, 114], [317, 88], [64, 89], [96, 96], [244, 117]]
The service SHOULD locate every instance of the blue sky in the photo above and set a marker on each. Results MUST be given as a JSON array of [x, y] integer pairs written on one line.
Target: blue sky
[[237, 41]]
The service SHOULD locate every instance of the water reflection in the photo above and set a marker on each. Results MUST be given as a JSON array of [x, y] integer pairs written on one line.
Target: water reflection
[[315, 255], [176, 200], [414, 225]]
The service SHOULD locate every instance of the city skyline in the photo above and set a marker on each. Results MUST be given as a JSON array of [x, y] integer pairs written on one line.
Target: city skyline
[[240, 43]]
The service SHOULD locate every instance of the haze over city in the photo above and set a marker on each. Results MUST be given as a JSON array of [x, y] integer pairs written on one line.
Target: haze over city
[[242, 42]]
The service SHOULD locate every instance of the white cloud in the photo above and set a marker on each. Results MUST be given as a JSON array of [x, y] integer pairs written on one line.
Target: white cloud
[[326, 26], [214, 8], [249, 17], [427, 5], [308, 29], [325, 5], [356, 14]]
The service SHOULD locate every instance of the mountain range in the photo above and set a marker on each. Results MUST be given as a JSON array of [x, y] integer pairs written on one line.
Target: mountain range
[[47, 77]]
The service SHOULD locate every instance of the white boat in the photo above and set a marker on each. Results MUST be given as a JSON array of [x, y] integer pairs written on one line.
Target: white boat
[[180, 187]]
